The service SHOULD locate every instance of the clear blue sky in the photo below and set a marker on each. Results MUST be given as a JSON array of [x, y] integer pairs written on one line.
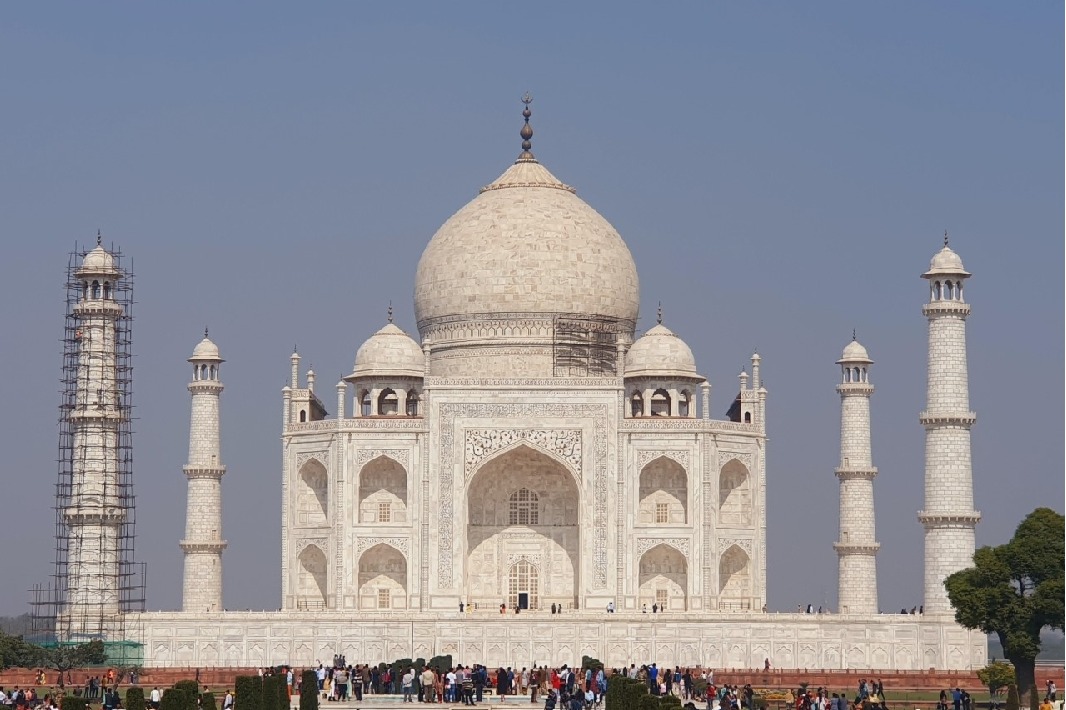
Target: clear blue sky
[[782, 172]]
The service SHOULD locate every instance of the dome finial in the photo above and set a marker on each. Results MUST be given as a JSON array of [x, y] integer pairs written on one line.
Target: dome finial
[[389, 312], [527, 131], [945, 237], [659, 314], [205, 332], [854, 337], [99, 238]]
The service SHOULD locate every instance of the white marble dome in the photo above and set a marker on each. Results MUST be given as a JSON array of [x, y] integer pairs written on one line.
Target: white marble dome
[[660, 353], [855, 352], [390, 351], [946, 261], [526, 245], [206, 350], [98, 261]]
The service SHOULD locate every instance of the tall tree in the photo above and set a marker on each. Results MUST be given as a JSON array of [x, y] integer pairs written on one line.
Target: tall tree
[[1015, 590]]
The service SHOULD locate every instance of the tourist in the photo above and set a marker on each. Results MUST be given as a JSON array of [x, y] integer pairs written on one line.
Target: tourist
[[427, 679], [154, 698], [1051, 691], [407, 684], [227, 702]]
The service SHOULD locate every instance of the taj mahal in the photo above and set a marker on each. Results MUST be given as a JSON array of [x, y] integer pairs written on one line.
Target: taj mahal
[[525, 451]]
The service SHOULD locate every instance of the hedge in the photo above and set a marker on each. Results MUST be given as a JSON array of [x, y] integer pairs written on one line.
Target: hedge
[[1012, 697], [627, 694], [74, 702], [175, 699], [248, 692], [309, 690], [134, 699], [207, 701]]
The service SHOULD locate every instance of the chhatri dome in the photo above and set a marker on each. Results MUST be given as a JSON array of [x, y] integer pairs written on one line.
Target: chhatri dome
[[946, 261], [854, 352], [523, 255], [660, 353], [390, 351]]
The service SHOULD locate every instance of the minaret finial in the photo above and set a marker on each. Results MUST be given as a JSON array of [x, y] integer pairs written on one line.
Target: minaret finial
[[853, 335], [659, 314], [527, 130], [945, 237], [205, 332], [389, 312], [99, 237]]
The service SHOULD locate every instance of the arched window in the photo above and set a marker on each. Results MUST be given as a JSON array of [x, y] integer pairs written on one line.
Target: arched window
[[364, 403], [864, 375], [636, 405], [936, 291], [388, 402], [847, 375], [523, 509], [96, 289], [84, 290], [958, 291], [660, 403], [747, 417], [107, 289], [683, 403], [412, 403], [303, 415]]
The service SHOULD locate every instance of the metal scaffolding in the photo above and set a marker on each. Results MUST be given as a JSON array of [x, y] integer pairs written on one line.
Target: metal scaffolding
[[61, 614]]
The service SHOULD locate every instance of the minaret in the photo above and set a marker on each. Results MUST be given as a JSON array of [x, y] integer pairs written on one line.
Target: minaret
[[948, 517], [857, 547], [95, 512], [203, 543]]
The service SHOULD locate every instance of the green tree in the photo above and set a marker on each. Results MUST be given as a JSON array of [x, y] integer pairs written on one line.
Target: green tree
[[1015, 590], [996, 675], [65, 657], [17, 653]]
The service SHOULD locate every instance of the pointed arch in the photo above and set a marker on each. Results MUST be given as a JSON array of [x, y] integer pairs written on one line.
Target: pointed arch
[[497, 535], [383, 491], [734, 578], [533, 447], [664, 578], [382, 578], [311, 581], [312, 493], [663, 492], [734, 495]]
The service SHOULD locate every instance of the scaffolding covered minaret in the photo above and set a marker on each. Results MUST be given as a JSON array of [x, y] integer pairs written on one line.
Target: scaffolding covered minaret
[[96, 579]]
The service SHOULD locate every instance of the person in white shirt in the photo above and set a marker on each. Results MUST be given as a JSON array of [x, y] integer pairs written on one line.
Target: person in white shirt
[[154, 698], [228, 702]]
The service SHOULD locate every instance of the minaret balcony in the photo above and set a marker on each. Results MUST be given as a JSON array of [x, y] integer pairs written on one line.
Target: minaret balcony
[[215, 472], [949, 520], [856, 548], [856, 474], [111, 515], [208, 386], [203, 546], [946, 308], [97, 414], [98, 308], [935, 419], [864, 389]]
